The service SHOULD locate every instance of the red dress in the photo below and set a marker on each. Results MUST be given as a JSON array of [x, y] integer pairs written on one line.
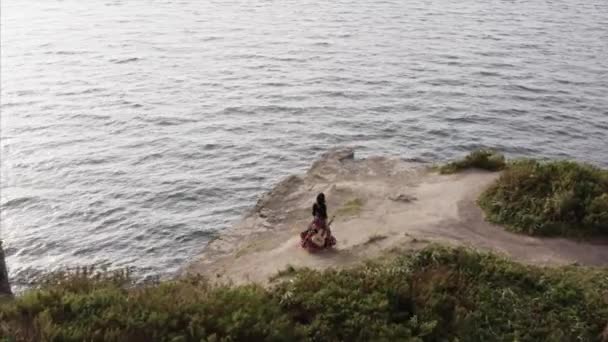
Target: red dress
[[315, 226]]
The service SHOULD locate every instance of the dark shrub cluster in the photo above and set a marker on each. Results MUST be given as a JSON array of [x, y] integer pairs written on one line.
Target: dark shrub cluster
[[549, 198], [484, 159]]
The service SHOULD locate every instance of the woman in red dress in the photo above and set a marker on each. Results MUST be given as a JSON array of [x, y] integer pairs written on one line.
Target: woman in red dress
[[319, 225]]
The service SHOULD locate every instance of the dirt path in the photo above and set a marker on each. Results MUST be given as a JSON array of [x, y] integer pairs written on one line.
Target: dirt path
[[380, 204]]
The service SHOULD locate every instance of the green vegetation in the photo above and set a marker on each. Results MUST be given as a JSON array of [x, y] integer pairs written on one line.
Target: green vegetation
[[558, 198], [484, 159], [350, 208], [549, 198], [437, 294], [287, 272]]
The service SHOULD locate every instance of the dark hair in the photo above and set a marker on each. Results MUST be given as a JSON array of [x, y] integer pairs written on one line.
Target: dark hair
[[321, 198]]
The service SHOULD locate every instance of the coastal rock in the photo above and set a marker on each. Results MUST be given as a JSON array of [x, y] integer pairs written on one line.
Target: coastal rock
[[402, 198], [367, 197], [331, 163], [281, 190], [5, 288]]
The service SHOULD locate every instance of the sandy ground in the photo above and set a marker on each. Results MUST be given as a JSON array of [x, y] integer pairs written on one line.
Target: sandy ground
[[380, 204]]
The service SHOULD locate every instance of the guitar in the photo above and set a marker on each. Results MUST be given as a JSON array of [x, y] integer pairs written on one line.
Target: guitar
[[319, 238]]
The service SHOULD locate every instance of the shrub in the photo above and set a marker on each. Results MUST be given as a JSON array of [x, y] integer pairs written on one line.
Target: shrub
[[484, 159], [433, 295], [549, 198], [182, 310]]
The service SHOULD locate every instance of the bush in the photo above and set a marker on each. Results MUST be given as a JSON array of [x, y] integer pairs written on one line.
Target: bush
[[432, 295], [90, 307], [449, 294], [480, 159], [552, 198]]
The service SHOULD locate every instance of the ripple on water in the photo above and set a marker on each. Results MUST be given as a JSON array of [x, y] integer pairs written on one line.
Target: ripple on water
[[124, 60]]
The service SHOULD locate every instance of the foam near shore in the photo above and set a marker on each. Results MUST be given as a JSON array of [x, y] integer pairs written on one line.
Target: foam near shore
[[380, 204]]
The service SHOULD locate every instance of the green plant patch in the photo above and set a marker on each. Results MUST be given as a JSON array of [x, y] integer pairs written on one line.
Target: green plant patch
[[437, 294], [549, 198], [484, 159], [286, 272], [351, 208]]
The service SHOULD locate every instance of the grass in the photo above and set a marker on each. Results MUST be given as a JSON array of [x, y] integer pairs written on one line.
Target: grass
[[437, 294], [484, 159], [287, 272], [351, 208], [549, 198]]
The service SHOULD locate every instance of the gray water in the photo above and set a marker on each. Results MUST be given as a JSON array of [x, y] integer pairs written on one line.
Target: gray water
[[135, 131]]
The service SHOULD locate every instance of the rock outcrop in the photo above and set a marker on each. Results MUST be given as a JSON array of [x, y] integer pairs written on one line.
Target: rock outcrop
[[379, 204], [5, 288]]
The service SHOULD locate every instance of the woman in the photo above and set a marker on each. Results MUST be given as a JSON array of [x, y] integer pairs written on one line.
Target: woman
[[318, 227]]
